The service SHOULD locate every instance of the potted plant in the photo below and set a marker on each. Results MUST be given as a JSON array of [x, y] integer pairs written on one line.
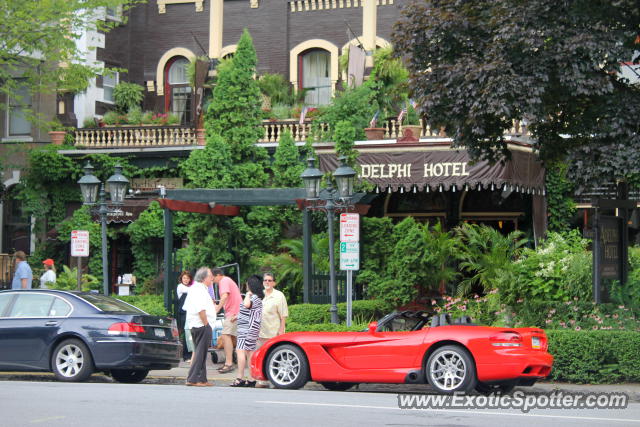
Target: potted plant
[[411, 127], [111, 118], [57, 133], [373, 132], [134, 116], [128, 96], [89, 123]]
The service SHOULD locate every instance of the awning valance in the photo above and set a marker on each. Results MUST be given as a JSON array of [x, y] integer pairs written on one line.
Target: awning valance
[[442, 167]]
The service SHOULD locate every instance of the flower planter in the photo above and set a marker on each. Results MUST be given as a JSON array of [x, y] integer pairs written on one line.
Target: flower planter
[[201, 135], [410, 133], [374, 133], [57, 137]]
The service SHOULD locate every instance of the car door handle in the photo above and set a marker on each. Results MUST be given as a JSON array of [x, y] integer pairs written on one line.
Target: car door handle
[[51, 323]]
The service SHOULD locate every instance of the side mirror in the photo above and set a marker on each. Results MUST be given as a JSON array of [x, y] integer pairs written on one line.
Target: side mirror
[[373, 326]]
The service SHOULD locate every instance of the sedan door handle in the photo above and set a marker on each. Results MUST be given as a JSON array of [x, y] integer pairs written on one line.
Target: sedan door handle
[[51, 323]]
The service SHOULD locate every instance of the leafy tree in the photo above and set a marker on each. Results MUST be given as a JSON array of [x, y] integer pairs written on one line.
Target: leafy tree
[[231, 159], [356, 106], [287, 166], [82, 220], [38, 35], [477, 66]]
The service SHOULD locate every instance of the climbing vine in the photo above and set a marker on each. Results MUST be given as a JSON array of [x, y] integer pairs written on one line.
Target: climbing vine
[[560, 204]]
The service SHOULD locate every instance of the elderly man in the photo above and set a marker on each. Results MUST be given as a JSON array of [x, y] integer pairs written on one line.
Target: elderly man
[[23, 275], [201, 314]]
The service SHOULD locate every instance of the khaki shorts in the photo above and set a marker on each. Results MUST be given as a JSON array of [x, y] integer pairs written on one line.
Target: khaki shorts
[[229, 327]]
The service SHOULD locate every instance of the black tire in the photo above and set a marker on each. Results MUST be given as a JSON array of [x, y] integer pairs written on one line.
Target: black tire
[[214, 357], [71, 360], [451, 369], [335, 386], [503, 387], [129, 376], [287, 367]]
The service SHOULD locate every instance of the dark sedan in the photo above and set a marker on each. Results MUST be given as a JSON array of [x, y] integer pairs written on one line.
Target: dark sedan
[[74, 334]]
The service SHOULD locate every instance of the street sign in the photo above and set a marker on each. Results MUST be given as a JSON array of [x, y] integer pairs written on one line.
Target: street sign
[[349, 255], [79, 243], [349, 227]]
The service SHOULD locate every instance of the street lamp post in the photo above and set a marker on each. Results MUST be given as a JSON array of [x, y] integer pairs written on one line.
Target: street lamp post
[[329, 201], [93, 190]]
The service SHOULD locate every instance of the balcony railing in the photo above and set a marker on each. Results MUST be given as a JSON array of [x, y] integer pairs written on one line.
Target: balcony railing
[[135, 136], [167, 136]]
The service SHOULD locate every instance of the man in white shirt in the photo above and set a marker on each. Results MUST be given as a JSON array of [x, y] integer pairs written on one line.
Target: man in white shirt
[[201, 314]]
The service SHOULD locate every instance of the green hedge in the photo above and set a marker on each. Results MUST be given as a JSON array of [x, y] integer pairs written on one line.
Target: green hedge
[[595, 357], [364, 311], [324, 327], [152, 304]]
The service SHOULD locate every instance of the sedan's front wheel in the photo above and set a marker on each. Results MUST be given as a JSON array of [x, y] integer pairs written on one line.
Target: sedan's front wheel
[[450, 369], [129, 376], [71, 361], [287, 367]]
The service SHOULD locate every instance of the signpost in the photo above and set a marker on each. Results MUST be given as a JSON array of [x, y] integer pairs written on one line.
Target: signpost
[[79, 248], [349, 253]]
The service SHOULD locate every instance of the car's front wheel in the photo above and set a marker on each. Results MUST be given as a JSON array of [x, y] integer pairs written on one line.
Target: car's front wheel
[[71, 361], [287, 367], [450, 369], [129, 376], [336, 386]]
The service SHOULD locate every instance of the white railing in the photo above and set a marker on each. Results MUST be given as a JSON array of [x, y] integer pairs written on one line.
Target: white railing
[[163, 136], [138, 136], [306, 5]]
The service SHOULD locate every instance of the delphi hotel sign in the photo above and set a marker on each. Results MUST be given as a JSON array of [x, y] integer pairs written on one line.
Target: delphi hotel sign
[[445, 167]]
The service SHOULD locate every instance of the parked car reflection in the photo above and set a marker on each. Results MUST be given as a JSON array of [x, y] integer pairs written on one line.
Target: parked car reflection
[[74, 334]]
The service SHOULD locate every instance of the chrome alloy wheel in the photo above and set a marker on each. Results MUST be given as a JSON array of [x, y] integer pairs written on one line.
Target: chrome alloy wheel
[[448, 370], [69, 360], [284, 366]]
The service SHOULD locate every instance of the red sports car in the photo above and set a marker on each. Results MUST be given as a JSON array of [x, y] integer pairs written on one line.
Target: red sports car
[[408, 347]]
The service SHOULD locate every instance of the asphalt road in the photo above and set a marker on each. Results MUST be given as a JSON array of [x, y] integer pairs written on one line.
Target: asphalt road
[[53, 404]]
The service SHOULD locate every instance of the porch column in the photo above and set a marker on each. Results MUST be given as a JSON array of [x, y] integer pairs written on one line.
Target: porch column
[[216, 12], [369, 24], [168, 257]]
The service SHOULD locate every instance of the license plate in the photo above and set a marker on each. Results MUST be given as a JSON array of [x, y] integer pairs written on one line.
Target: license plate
[[159, 332], [535, 342]]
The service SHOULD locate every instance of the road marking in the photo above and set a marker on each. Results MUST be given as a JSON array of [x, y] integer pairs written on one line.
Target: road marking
[[44, 420], [455, 411]]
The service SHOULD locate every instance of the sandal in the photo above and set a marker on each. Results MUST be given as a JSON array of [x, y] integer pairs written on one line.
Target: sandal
[[249, 383], [225, 369], [239, 382]]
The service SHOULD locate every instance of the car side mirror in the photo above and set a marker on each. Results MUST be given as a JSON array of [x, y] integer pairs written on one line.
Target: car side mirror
[[373, 326]]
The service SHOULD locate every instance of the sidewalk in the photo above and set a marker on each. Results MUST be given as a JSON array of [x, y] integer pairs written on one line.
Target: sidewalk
[[178, 375]]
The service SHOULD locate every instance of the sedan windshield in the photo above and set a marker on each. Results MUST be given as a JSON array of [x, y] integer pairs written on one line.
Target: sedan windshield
[[109, 304]]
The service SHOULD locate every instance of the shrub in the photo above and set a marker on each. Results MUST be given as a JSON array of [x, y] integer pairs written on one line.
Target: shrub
[[111, 118], [134, 116], [280, 111], [67, 279], [89, 123], [152, 304], [594, 356], [324, 327], [309, 314]]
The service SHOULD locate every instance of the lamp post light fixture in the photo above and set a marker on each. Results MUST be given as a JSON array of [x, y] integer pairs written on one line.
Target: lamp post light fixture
[[93, 192], [329, 201]]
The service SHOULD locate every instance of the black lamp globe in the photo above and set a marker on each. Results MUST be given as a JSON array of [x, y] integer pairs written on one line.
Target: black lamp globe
[[311, 177], [117, 186], [344, 176], [89, 185]]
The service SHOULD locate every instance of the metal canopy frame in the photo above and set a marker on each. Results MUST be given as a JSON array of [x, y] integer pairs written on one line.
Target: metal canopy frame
[[242, 197]]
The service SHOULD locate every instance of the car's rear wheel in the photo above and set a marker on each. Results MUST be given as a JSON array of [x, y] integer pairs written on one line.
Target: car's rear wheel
[[71, 361], [287, 367], [336, 386], [450, 369], [129, 376], [502, 387]]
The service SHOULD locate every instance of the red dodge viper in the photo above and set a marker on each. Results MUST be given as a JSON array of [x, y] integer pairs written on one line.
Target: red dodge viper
[[408, 347]]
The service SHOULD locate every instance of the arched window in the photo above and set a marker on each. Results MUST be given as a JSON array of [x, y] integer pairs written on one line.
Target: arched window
[[177, 91], [315, 76]]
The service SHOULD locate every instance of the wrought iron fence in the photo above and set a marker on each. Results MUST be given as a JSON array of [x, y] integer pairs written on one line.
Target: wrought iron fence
[[320, 293]]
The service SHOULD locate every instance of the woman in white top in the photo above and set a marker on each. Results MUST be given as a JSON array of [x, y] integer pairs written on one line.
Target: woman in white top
[[184, 282], [49, 275]]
